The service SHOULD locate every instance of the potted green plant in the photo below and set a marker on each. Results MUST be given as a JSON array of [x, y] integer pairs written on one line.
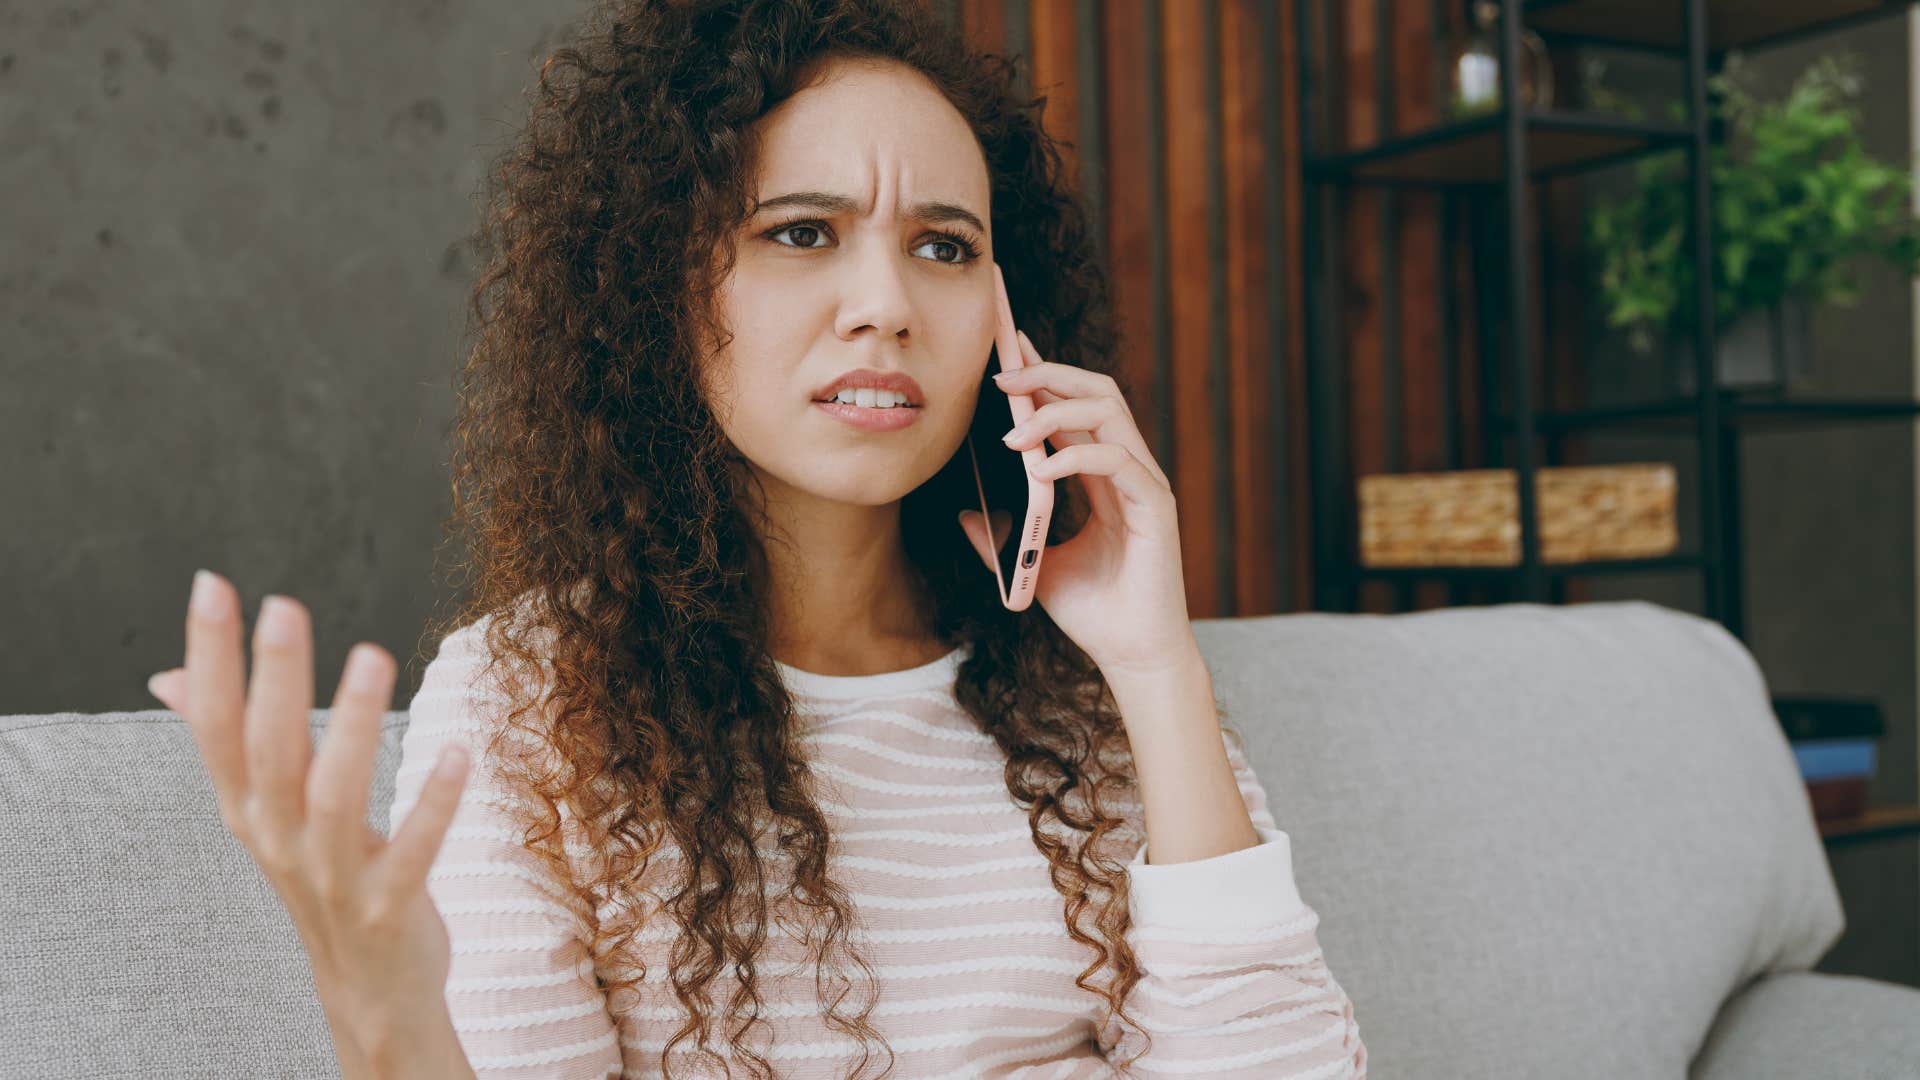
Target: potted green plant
[[1795, 199]]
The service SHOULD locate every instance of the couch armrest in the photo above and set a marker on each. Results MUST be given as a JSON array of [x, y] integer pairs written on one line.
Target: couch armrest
[[1803, 1023]]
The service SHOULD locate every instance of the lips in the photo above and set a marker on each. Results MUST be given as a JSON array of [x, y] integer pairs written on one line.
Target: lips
[[898, 381], [867, 419]]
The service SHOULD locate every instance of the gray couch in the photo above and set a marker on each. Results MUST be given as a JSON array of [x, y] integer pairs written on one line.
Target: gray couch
[[1559, 842]]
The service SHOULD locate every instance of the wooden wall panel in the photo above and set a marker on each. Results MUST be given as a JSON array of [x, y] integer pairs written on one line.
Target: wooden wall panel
[[1294, 500], [985, 22], [1181, 117], [1363, 260], [1253, 362], [1132, 206], [1052, 28], [1187, 61], [1425, 401]]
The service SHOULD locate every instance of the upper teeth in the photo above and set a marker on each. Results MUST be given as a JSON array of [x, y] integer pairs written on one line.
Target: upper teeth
[[871, 398]]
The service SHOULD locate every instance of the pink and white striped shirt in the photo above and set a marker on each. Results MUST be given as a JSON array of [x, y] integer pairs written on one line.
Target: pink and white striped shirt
[[955, 912]]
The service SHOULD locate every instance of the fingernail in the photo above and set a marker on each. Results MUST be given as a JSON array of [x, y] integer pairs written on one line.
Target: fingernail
[[202, 600], [1010, 436], [153, 682], [362, 668], [277, 623], [1002, 377]]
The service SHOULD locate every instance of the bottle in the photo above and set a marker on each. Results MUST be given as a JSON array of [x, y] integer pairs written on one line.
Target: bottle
[[1473, 67]]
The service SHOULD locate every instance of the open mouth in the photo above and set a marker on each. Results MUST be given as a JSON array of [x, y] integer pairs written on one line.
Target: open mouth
[[876, 403], [870, 418]]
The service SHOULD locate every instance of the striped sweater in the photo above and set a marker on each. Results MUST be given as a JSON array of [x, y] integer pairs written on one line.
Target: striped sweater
[[955, 911]]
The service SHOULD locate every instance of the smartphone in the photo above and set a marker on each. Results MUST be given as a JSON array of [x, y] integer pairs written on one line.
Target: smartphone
[[1008, 494]]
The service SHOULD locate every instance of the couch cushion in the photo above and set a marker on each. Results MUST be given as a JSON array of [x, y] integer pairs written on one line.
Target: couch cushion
[[1801, 1024], [140, 939], [1544, 840]]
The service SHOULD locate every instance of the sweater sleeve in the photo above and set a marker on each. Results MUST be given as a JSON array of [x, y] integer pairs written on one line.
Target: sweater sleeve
[[522, 989], [1233, 980]]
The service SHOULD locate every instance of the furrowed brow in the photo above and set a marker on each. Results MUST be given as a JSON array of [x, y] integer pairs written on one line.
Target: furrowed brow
[[826, 202]]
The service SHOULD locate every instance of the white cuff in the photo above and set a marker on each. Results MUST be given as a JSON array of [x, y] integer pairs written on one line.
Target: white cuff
[[1239, 889]]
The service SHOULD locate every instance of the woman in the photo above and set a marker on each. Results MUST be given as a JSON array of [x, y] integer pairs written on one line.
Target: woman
[[743, 708]]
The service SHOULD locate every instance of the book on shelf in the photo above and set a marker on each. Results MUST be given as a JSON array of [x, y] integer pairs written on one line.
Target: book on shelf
[[1839, 797], [1834, 742], [1825, 759], [1829, 717]]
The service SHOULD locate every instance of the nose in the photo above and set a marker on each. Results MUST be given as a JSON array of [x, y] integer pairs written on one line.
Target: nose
[[876, 292]]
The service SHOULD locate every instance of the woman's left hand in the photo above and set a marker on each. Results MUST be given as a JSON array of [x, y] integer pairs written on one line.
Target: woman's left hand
[[1116, 589]]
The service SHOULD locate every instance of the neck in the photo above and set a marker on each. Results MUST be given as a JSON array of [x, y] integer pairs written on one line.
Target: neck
[[842, 598]]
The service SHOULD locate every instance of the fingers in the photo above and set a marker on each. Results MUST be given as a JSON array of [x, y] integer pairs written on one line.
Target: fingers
[[169, 687], [1071, 422], [279, 740], [1066, 380], [403, 866], [214, 686], [1029, 352], [1129, 475], [1066, 423], [342, 775]]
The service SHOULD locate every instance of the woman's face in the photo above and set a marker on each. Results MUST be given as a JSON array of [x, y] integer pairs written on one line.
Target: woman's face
[[869, 282]]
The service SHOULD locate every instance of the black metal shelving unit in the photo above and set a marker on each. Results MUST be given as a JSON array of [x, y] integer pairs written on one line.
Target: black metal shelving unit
[[1499, 156]]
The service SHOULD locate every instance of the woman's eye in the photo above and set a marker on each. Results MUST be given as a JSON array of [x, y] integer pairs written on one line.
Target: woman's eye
[[963, 250], [796, 227]]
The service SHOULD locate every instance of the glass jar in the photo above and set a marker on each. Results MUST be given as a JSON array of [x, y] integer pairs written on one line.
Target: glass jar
[[1473, 67]]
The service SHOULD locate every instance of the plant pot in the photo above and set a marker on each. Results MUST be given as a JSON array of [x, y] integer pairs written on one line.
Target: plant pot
[[1761, 349]]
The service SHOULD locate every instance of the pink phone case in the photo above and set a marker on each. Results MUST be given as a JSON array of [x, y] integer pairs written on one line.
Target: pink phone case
[[1017, 593]]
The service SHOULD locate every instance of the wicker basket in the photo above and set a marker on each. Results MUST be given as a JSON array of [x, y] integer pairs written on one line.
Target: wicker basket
[[1472, 517]]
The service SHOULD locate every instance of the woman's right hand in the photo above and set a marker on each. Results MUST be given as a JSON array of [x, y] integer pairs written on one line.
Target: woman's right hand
[[378, 946]]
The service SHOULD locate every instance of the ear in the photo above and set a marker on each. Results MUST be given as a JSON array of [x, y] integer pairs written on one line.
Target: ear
[[970, 524]]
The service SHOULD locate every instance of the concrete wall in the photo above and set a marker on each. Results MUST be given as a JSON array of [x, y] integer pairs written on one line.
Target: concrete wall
[[231, 297]]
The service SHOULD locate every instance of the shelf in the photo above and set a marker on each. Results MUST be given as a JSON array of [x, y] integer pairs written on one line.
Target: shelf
[[1470, 156], [1494, 573], [1468, 151], [1661, 24], [1680, 416], [1886, 820]]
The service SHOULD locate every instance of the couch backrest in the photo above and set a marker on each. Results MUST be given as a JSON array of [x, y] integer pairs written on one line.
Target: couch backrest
[[137, 937], [1543, 841]]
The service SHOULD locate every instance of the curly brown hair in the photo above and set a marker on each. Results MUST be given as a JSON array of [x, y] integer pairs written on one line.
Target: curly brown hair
[[605, 526]]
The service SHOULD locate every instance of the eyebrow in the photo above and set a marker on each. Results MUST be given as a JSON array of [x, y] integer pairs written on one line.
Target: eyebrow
[[827, 202]]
